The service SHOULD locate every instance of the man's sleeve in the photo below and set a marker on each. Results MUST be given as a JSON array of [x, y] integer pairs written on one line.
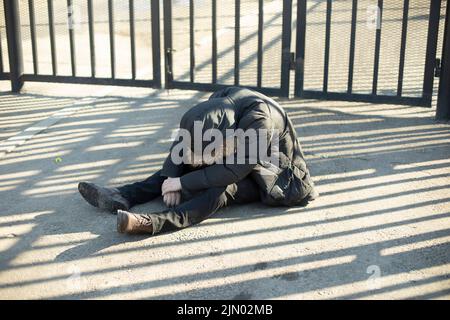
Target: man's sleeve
[[219, 175], [170, 169]]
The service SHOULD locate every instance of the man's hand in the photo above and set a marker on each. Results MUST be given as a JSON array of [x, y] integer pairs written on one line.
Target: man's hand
[[172, 199], [171, 185]]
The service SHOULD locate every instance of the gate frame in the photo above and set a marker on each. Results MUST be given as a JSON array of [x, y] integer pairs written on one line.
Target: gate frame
[[282, 91], [14, 43], [443, 101], [430, 59]]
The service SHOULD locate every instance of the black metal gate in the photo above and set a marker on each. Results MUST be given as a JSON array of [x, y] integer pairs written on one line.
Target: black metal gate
[[48, 27], [245, 35], [4, 75], [390, 34], [210, 44]]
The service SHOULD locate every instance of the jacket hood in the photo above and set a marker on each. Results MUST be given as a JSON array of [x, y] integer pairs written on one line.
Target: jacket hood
[[212, 114]]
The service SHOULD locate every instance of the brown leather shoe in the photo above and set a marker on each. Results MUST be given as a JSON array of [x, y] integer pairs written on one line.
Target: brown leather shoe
[[104, 198], [133, 223]]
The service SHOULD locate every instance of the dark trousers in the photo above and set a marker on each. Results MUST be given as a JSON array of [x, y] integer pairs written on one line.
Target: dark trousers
[[194, 208]]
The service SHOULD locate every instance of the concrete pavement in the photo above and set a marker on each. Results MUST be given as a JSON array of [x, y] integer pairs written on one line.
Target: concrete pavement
[[381, 228]]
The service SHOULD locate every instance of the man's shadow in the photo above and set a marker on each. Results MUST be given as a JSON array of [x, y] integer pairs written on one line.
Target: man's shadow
[[107, 237]]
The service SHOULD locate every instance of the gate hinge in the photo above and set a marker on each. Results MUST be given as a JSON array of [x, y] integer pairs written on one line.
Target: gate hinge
[[437, 68], [292, 61]]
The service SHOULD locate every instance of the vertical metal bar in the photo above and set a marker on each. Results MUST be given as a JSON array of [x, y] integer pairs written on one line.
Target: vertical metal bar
[[192, 40], [51, 25], [237, 36], [286, 47], [112, 45], [443, 103], [327, 46], [260, 41], [401, 68], [1, 55], [376, 64], [214, 41], [433, 28], [132, 40], [73, 61], [168, 43], [351, 64], [156, 43], [300, 47], [14, 39], [33, 36], [91, 36]]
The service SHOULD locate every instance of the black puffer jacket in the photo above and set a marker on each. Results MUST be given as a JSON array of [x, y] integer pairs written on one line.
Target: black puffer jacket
[[237, 108]]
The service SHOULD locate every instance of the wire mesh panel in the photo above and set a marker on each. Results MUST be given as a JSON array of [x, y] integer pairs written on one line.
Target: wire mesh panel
[[248, 42], [210, 44], [391, 48], [271, 44], [4, 62], [415, 53], [143, 39], [86, 41], [225, 43], [367, 50], [315, 32], [339, 55], [204, 42], [367, 16], [79, 24]]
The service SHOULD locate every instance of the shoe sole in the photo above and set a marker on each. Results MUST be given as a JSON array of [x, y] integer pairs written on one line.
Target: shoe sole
[[94, 197], [122, 221]]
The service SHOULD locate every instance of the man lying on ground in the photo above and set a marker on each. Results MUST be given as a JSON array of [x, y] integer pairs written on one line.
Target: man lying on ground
[[237, 147]]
